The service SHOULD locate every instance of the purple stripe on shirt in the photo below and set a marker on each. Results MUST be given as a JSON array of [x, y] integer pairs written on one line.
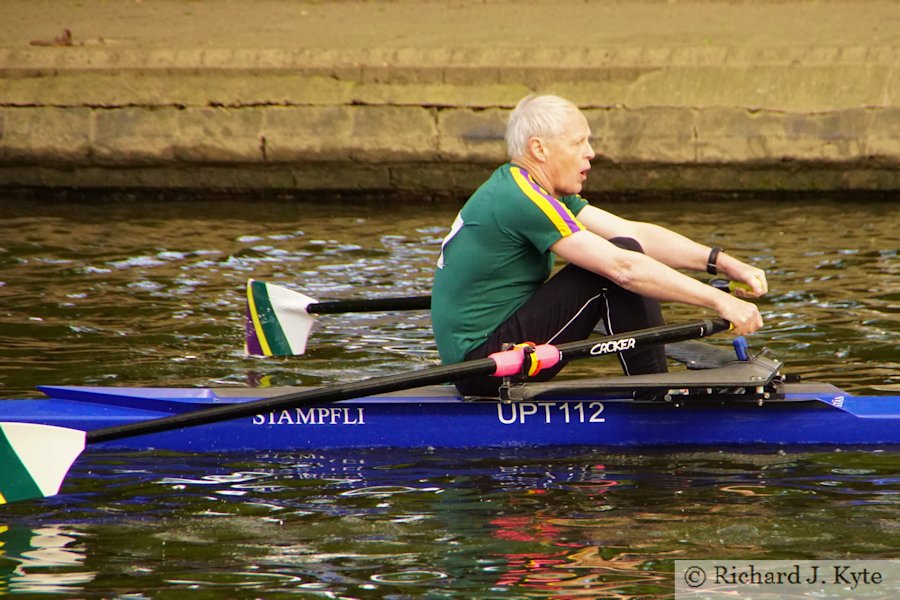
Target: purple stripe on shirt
[[558, 206]]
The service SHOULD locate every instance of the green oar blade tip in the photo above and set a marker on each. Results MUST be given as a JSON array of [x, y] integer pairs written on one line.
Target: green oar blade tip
[[34, 459]]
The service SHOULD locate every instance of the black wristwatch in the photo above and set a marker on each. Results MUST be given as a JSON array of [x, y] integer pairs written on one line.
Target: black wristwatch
[[711, 261]]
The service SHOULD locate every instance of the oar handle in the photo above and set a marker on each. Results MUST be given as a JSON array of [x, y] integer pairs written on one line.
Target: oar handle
[[402, 381], [370, 305], [729, 286], [665, 334]]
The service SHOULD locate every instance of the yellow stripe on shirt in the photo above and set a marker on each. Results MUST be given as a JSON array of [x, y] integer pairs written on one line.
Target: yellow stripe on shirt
[[558, 213]]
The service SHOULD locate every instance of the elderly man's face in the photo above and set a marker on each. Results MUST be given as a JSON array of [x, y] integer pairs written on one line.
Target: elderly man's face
[[569, 157]]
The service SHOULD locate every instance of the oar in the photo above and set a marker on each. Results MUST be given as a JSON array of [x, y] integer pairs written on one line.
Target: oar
[[729, 286], [279, 320], [34, 459]]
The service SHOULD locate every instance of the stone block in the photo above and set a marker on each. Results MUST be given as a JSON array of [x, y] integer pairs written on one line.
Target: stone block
[[883, 140], [135, 135], [661, 134], [220, 135], [472, 135], [318, 133], [597, 121], [735, 135], [833, 137], [45, 134], [392, 133], [350, 133]]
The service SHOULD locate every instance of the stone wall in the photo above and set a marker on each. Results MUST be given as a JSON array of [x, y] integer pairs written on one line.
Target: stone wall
[[424, 120]]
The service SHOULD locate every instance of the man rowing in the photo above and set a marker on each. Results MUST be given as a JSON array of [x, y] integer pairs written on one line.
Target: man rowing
[[492, 285]]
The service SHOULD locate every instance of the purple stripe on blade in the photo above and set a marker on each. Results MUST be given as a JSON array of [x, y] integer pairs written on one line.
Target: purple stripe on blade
[[253, 345]]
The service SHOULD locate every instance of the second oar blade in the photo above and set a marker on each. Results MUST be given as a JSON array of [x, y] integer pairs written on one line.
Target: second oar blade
[[278, 322]]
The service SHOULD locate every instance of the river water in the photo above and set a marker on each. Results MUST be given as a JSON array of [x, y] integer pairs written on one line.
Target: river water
[[150, 292]]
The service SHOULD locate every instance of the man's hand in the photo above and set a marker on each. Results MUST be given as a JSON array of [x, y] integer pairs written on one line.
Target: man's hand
[[753, 277], [743, 315]]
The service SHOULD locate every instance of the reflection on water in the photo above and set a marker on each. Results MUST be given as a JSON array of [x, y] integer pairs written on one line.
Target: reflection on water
[[41, 561], [560, 523], [152, 294]]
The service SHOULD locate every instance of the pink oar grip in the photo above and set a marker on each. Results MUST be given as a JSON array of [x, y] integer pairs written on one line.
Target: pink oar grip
[[509, 362]]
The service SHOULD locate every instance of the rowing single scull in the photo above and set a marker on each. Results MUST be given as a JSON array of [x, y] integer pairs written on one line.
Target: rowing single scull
[[743, 401], [740, 402]]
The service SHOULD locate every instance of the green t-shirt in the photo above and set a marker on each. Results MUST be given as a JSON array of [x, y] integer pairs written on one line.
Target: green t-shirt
[[495, 257]]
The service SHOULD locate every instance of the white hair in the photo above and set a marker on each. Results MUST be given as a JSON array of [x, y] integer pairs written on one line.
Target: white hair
[[536, 116]]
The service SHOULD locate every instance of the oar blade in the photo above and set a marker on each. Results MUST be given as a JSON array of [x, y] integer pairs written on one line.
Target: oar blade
[[34, 459], [278, 323]]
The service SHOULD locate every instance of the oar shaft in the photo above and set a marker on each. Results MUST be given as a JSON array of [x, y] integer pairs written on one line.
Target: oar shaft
[[327, 307], [314, 396], [424, 302], [370, 305], [401, 381]]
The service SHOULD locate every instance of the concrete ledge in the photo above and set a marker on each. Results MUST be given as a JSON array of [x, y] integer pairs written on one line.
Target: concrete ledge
[[726, 105]]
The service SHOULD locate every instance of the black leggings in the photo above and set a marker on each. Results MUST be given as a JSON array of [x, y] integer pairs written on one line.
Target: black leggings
[[567, 308]]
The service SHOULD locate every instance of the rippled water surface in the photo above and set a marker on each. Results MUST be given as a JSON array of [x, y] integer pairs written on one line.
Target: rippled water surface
[[150, 293]]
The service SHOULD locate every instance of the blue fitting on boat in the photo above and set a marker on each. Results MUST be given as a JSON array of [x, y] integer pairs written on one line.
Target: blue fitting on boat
[[740, 348]]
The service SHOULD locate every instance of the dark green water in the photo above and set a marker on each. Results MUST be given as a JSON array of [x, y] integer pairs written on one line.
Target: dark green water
[[151, 294]]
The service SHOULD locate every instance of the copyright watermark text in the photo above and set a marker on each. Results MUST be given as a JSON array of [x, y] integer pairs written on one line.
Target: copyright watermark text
[[777, 579]]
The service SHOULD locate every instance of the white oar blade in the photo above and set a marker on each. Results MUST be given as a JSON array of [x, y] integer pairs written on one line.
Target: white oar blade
[[34, 459], [278, 323]]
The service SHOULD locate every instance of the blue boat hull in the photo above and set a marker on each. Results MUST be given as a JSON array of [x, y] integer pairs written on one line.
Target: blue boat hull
[[437, 417]]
